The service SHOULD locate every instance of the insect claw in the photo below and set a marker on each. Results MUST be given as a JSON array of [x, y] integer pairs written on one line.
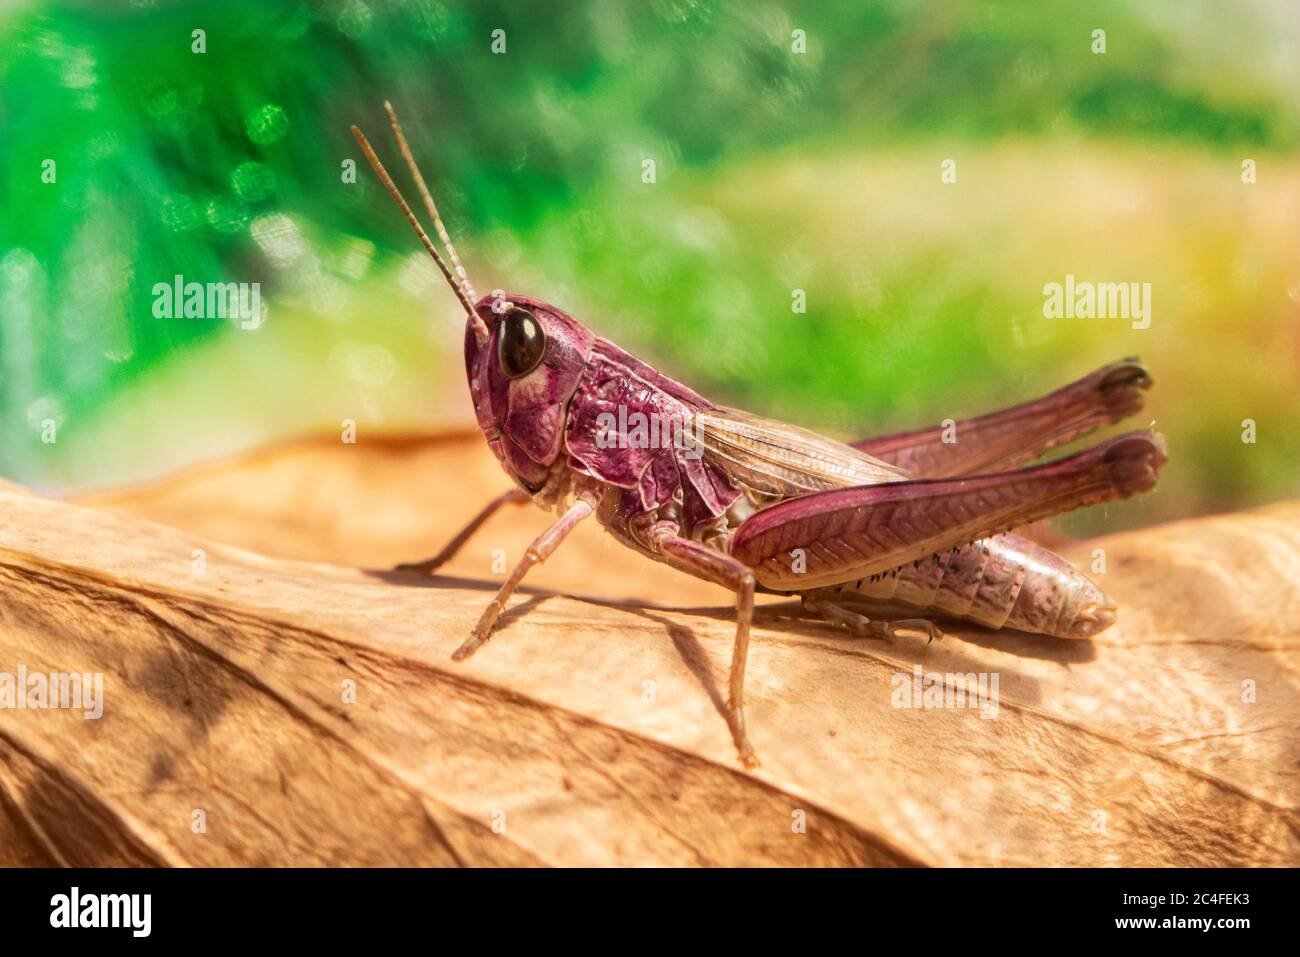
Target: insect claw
[[470, 646]]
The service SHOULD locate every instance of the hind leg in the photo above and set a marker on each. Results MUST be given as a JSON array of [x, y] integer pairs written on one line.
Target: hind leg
[[1011, 437], [860, 626]]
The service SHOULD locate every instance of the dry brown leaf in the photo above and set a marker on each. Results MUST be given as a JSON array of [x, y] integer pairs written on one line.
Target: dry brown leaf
[[223, 693]]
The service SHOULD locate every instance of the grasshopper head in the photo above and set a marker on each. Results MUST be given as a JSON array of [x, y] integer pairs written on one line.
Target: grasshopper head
[[523, 359]]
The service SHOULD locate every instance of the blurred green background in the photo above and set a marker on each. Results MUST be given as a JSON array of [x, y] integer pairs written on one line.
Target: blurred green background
[[776, 170]]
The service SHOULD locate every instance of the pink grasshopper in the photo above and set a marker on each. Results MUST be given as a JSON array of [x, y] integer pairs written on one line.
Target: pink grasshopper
[[754, 504]]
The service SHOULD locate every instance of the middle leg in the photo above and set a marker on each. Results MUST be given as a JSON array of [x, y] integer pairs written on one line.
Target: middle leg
[[737, 576]]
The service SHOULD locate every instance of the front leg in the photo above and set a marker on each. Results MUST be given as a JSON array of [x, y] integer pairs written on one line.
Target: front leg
[[516, 496], [537, 552], [737, 576]]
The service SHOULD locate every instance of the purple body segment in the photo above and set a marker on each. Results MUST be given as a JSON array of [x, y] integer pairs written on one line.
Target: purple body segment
[[632, 427]]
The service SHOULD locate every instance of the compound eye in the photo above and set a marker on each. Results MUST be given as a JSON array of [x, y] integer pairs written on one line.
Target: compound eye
[[520, 343]]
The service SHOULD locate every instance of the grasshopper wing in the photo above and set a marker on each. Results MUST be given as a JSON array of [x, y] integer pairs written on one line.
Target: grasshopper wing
[[776, 460]]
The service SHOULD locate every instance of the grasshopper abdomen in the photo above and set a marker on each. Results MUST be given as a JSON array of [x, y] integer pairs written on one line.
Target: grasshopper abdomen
[[1005, 581]]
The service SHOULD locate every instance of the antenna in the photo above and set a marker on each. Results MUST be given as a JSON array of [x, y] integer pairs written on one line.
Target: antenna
[[429, 204], [480, 328]]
